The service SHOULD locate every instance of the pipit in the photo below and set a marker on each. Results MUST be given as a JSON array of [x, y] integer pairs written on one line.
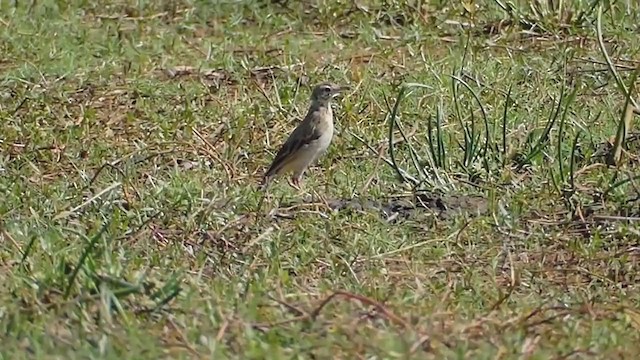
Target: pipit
[[309, 140]]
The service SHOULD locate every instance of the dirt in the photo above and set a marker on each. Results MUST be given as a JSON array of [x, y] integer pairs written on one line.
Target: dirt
[[395, 208]]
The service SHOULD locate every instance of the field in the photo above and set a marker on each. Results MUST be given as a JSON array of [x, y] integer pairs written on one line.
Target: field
[[480, 199]]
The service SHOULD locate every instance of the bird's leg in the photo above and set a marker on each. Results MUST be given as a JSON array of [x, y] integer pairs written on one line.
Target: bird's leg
[[295, 182]]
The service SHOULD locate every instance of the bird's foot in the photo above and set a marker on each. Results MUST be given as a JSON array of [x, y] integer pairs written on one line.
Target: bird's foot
[[296, 183]]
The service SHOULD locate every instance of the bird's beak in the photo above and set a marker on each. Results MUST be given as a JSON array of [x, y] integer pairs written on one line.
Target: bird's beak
[[339, 89]]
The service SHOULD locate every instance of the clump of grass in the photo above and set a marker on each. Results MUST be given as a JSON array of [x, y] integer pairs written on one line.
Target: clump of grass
[[134, 134]]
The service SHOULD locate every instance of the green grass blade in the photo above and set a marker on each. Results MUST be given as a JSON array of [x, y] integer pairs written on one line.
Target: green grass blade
[[504, 127], [88, 249]]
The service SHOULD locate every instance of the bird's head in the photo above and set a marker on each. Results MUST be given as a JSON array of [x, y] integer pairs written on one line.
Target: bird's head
[[323, 93]]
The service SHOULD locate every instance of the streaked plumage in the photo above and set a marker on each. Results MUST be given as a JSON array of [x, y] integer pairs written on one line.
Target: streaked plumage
[[310, 139]]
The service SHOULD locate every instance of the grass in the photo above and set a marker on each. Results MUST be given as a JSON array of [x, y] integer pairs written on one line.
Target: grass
[[477, 218]]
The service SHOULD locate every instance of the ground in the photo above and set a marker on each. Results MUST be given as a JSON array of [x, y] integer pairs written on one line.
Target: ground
[[479, 199]]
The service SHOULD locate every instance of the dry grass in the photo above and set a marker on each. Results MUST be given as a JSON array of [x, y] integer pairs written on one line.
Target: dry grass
[[134, 135]]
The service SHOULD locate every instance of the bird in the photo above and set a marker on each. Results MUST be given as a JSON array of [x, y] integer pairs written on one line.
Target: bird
[[310, 139]]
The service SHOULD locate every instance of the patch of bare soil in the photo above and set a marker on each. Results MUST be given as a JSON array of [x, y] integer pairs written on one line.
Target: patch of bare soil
[[396, 208]]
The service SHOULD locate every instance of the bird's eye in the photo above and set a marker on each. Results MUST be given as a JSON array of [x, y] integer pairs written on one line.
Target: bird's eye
[[327, 89]]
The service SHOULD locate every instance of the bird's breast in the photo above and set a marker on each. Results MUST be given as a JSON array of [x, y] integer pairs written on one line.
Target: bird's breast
[[325, 139]]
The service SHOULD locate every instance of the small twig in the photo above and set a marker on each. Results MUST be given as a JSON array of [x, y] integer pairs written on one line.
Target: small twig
[[13, 241], [314, 314], [260, 237], [614, 217], [502, 299], [597, 62], [65, 214], [140, 18], [292, 308], [389, 162], [266, 96], [420, 343], [391, 316], [22, 103], [374, 174], [105, 165], [183, 337], [222, 331], [213, 153], [409, 247]]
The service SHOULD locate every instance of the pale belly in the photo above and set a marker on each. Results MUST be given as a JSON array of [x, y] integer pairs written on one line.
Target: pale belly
[[309, 154]]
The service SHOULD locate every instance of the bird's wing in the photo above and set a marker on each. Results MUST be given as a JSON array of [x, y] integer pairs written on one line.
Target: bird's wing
[[306, 133]]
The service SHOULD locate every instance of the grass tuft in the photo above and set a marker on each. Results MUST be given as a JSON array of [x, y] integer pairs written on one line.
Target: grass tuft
[[473, 202]]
